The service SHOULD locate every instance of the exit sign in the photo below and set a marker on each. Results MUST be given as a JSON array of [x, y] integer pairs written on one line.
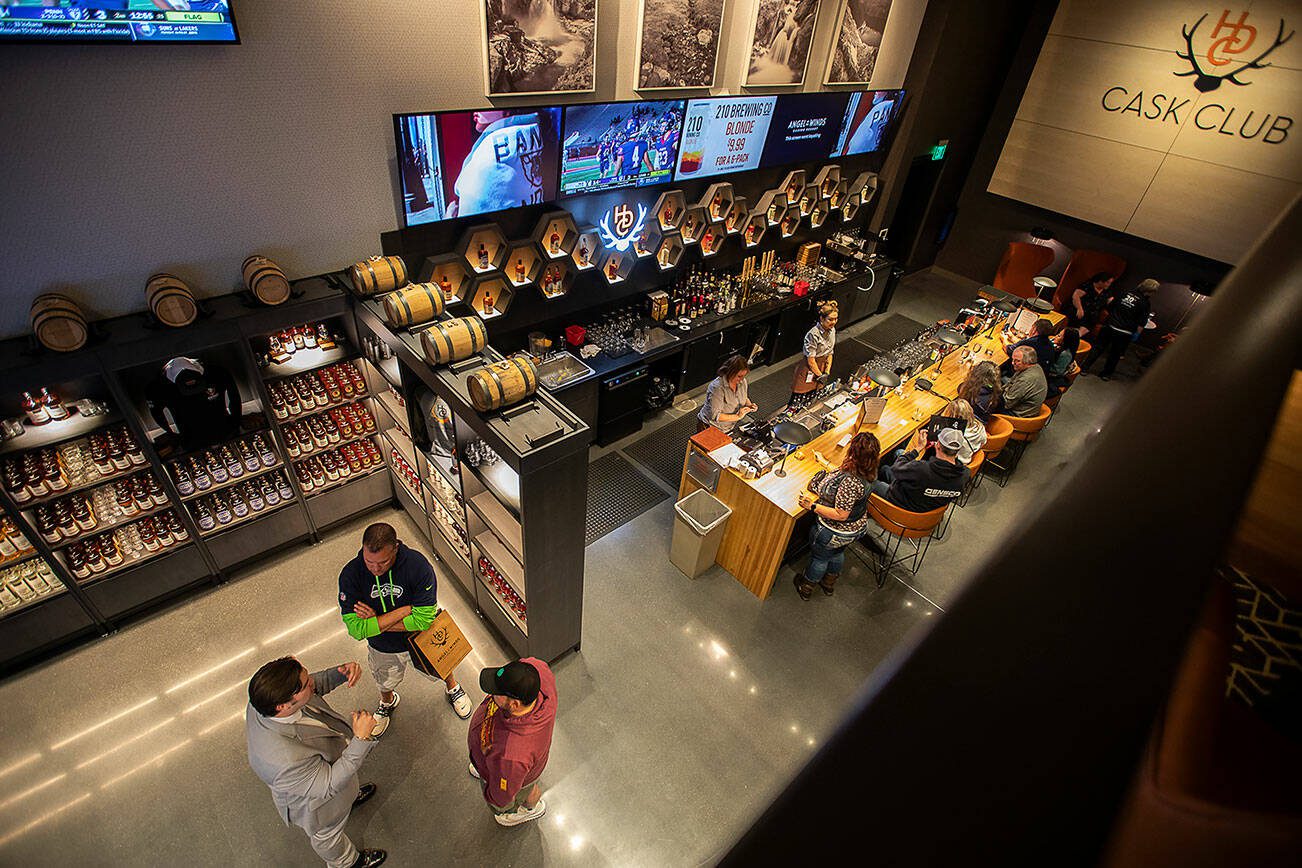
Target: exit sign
[[938, 149]]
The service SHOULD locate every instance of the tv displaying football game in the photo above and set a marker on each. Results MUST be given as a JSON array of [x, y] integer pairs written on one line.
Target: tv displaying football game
[[134, 21], [805, 127], [457, 164], [867, 118], [723, 135], [625, 144]]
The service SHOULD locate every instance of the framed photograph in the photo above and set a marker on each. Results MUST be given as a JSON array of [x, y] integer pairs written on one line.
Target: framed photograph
[[677, 44], [539, 46], [858, 39], [781, 34]]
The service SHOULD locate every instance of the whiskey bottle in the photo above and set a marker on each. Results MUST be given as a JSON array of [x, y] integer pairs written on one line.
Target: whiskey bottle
[[36, 412], [53, 405]]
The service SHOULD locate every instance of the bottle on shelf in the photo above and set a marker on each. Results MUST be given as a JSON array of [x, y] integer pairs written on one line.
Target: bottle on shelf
[[35, 410], [53, 405]]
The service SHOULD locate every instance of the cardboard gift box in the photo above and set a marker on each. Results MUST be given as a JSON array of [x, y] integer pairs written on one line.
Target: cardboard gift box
[[438, 650]]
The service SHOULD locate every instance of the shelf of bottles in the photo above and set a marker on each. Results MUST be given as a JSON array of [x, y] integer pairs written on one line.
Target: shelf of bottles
[[48, 472], [106, 553], [231, 483], [25, 583], [300, 350], [492, 490]]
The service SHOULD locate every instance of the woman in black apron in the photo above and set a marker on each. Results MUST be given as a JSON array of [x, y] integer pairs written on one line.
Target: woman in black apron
[[815, 366]]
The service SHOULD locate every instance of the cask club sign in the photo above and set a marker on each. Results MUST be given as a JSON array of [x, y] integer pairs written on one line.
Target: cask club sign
[[1171, 120]]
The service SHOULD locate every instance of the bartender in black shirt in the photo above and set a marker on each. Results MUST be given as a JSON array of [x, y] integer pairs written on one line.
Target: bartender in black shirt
[[1127, 315], [202, 399]]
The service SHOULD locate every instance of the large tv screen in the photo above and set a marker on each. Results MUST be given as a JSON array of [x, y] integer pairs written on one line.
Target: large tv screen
[[117, 21], [457, 164], [623, 144], [723, 135], [804, 128], [867, 119]]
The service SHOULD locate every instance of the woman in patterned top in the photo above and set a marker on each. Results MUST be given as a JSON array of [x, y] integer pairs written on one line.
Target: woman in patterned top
[[839, 499], [813, 370]]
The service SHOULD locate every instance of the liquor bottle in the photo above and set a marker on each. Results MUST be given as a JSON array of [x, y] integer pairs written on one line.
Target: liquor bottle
[[257, 502], [707, 243], [583, 253], [176, 527], [291, 442], [328, 467], [319, 396], [249, 457], [274, 347], [232, 464], [202, 481], [715, 204], [55, 478], [519, 270], [265, 456], [77, 561], [156, 493], [445, 286], [53, 405], [47, 526], [99, 456], [299, 342], [488, 302], [35, 475], [220, 510], [282, 486], [19, 539], [132, 448], [322, 334], [203, 517], [36, 412], [667, 218], [318, 473], [163, 529], [292, 405], [216, 469], [16, 482], [554, 244], [8, 551], [148, 535], [184, 484], [108, 547], [309, 337], [117, 454], [318, 433], [331, 431], [239, 506], [82, 514], [269, 492], [482, 257]]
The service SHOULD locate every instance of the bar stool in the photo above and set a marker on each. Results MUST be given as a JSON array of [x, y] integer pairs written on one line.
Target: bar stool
[[919, 528], [1025, 432], [973, 468], [998, 431]]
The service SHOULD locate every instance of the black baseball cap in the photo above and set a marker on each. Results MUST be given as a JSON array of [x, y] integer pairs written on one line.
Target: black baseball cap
[[517, 679]]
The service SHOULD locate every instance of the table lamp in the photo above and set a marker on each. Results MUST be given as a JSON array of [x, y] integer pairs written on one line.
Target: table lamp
[[885, 380], [949, 337], [1044, 287], [790, 434], [1005, 307]]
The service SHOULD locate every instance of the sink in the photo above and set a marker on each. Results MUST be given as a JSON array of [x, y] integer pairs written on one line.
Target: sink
[[655, 339], [562, 369]]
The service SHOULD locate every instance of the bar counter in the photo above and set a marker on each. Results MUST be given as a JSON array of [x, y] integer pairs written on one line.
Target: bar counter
[[765, 510]]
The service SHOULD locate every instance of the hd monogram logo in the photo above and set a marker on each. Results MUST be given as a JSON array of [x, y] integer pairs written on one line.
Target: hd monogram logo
[[1228, 40]]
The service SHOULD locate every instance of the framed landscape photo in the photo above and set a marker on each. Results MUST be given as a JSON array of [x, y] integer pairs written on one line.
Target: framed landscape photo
[[782, 32], [857, 41], [539, 46], [677, 44]]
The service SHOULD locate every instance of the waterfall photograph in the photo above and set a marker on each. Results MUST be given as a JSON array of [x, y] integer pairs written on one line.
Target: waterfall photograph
[[678, 43], [539, 46], [780, 41]]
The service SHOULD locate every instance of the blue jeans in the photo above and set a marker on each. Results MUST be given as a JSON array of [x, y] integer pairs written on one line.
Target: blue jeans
[[824, 558]]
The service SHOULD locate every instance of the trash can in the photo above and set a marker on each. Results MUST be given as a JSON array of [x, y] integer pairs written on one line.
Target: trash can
[[699, 522]]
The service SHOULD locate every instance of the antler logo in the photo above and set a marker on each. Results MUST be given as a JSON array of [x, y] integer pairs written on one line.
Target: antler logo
[[626, 226], [1227, 38]]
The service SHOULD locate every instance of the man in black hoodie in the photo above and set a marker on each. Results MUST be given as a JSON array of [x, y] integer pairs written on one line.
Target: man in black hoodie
[[921, 485], [386, 593]]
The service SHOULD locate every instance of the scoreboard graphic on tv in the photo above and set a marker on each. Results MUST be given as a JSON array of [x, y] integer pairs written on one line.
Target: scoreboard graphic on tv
[[117, 21]]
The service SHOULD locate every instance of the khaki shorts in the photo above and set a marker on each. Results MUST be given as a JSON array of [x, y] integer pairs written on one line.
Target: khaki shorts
[[388, 669], [517, 802]]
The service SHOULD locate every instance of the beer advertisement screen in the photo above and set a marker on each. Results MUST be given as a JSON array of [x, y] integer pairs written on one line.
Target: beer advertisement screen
[[193, 21], [723, 135], [624, 144], [804, 128], [867, 119]]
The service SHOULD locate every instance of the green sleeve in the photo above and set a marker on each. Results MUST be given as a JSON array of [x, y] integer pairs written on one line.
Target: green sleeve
[[420, 618], [361, 628]]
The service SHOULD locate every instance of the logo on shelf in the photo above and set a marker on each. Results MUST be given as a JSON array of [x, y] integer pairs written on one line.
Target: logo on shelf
[[619, 227]]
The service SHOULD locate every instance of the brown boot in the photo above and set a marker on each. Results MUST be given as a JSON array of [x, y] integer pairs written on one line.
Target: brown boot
[[829, 583], [803, 588]]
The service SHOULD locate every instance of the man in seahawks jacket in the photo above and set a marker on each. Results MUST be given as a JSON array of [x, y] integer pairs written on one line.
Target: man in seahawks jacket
[[385, 593]]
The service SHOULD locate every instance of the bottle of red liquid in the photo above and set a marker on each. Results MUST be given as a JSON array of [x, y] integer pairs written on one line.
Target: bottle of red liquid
[[36, 412], [53, 405]]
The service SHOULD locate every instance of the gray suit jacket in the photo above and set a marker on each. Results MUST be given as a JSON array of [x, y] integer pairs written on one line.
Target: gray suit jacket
[[311, 769]]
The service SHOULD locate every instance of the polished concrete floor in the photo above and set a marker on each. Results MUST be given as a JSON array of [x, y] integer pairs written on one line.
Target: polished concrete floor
[[689, 707]]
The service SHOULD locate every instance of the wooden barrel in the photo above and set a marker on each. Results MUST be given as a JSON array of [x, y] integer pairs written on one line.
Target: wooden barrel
[[58, 323], [265, 280], [454, 339], [378, 274], [414, 303], [502, 384], [171, 300]]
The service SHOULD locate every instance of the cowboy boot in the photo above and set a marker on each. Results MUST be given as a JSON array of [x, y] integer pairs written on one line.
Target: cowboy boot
[[829, 583], [803, 588]]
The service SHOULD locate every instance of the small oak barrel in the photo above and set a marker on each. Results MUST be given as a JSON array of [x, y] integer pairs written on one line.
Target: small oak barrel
[[502, 384], [378, 274], [454, 339], [265, 280], [58, 323], [170, 300], [414, 303]]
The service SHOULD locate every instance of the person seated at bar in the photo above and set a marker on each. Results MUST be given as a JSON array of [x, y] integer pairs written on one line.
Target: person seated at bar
[[1086, 303], [838, 498], [1068, 341], [1026, 390], [816, 365], [922, 484], [981, 388], [1040, 340], [727, 398], [974, 432]]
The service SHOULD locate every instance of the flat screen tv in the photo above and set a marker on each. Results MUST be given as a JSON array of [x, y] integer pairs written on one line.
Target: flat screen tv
[[868, 117], [804, 128], [128, 21], [458, 164], [624, 144], [723, 135]]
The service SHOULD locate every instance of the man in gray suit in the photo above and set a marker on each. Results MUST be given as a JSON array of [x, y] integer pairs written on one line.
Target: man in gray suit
[[308, 754]]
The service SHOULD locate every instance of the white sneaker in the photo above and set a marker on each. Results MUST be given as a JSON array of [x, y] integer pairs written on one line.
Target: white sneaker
[[382, 715], [522, 814], [460, 702], [474, 774]]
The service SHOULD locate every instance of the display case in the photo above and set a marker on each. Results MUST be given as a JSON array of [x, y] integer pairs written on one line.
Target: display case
[[713, 238], [644, 245], [491, 297], [818, 215], [557, 279], [737, 214], [850, 207], [669, 210], [864, 186], [827, 180], [586, 249], [616, 267], [772, 206], [839, 194], [556, 235], [483, 248], [808, 199], [792, 186], [524, 263], [717, 201], [449, 273], [753, 232], [693, 225], [669, 252]]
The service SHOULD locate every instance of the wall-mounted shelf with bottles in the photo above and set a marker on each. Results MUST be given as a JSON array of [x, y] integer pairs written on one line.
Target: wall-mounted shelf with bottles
[[25, 584], [127, 546], [300, 349]]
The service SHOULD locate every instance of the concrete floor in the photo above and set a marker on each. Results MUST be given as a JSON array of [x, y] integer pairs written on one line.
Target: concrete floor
[[689, 707]]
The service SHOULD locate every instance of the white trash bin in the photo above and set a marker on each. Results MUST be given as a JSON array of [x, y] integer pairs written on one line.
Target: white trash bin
[[699, 521]]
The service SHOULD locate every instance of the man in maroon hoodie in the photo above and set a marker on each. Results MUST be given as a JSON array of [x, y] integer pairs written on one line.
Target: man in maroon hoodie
[[511, 736]]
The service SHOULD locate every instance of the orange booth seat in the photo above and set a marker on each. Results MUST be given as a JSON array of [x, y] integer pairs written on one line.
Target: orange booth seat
[[1020, 264]]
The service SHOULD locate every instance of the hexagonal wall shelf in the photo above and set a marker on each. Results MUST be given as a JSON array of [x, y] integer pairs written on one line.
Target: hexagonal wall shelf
[[717, 201], [793, 184], [819, 215], [693, 224], [586, 249], [616, 267], [669, 209], [864, 186], [808, 199], [449, 272], [790, 223], [492, 297], [483, 248], [737, 214], [556, 234], [773, 205], [524, 263], [712, 240], [669, 252], [850, 207], [645, 243], [557, 278], [756, 226], [826, 180], [839, 194]]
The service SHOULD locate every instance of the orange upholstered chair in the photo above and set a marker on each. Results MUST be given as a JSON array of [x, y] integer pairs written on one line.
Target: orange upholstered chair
[[1021, 262], [973, 468], [919, 528], [1025, 432], [1083, 265], [998, 430]]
